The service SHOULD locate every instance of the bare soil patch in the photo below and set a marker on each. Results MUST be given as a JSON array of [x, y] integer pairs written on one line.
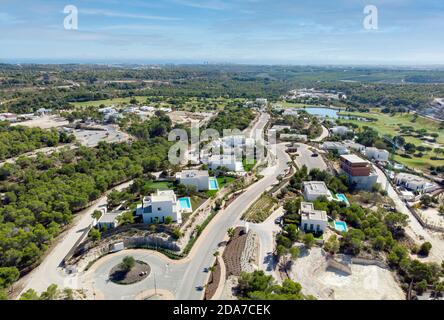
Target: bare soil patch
[[140, 271]]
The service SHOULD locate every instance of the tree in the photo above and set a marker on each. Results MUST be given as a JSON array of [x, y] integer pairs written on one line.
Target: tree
[[126, 218], [294, 252], [425, 249], [309, 240], [94, 234], [281, 250], [30, 294], [127, 263], [51, 293], [3, 294], [230, 232], [8, 275], [96, 214], [332, 245], [168, 220]]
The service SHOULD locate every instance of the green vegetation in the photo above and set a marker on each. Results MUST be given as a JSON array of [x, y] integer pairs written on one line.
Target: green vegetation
[[258, 286], [16, 140], [261, 209], [41, 195], [127, 263], [232, 118], [407, 130]]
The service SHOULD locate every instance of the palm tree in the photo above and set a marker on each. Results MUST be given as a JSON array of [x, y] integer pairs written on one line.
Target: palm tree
[[212, 269]]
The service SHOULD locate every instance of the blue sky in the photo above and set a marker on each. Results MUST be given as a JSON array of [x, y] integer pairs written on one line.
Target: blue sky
[[215, 31]]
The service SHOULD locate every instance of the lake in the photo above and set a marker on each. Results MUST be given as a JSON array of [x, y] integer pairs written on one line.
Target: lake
[[323, 112]]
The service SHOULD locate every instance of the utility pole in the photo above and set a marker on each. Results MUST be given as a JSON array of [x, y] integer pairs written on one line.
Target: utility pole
[[155, 285]]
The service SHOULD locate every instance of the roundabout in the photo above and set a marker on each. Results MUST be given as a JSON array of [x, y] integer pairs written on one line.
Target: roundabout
[[162, 281], [126, 275]]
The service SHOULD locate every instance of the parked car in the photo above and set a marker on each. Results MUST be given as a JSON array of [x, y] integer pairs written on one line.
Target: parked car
[[315, 155]]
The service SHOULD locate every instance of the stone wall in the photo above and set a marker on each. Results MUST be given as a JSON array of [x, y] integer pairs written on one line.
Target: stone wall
[[249, 257]]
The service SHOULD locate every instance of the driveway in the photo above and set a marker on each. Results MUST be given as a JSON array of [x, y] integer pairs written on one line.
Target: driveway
[[266, 232], [305, 158], [414, 228]]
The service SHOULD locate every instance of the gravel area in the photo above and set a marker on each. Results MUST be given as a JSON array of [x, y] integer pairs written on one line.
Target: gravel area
[[365, 282]]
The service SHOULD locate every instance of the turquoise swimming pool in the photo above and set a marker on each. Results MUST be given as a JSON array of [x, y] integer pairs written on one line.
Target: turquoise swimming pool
[[213, 184], [342, 197], [185, 203], [341, 226]]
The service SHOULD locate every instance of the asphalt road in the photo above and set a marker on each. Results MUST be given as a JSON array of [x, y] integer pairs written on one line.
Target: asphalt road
[[414, 228], [305, 158], [185, 278], [49, 271], [207, 244]]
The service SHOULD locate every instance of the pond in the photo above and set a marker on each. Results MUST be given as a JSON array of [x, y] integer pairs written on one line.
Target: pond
[[323, 112]]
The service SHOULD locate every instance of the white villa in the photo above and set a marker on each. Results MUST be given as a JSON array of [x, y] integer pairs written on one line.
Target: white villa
[[156, 207], [109, 220], [340, 130], [197, 178], [354, 145], [377, 154], [278, 128], [316, 189], [311, 219], [413, 183], [341, 148], [227, 161]]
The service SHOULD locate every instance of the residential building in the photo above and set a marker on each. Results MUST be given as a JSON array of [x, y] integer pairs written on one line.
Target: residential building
[[312, 220], [261, 102], [316, 189], [293, 137], [156, 207], [340, 130], [109, 220], [413, 183], [200, 179], [339, 147], [291, 112], [278, 128], [354, 146], [359, 171], [377, 154], [227, 161]]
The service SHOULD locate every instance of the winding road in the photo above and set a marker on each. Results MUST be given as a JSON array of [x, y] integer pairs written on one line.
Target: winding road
[[185, 278]]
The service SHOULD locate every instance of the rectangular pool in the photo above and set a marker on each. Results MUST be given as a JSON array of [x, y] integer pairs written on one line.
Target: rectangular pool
[[185, 203], [341, 226], [213, 184]]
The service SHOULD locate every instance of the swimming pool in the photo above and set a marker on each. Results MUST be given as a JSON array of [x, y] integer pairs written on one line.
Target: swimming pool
[[213, 184], [342, 197], [341, 226], [185, 203]]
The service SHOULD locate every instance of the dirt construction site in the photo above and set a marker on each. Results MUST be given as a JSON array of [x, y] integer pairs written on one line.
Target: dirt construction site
[[366, 282]]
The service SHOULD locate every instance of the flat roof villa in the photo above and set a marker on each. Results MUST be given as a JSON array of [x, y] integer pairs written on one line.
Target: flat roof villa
[[377, 154], [341, 148], [109, 220], [197, 178], [312, 220], [359, 171], [161, 204], [227, 161], [340, 130], [413, 183], [316, 189], [354, 145], [279, 128]]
